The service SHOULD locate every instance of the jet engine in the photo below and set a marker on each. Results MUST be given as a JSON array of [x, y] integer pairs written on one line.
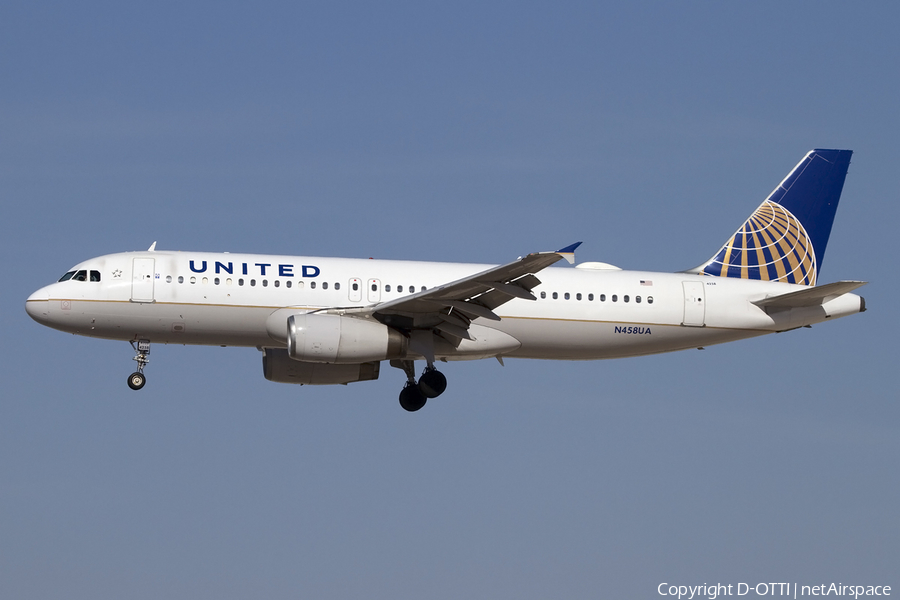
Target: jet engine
[[281, 368], [319, 338]]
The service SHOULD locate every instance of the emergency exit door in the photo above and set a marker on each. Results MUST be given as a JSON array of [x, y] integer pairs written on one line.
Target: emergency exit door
[[354, 290], [373, 290]]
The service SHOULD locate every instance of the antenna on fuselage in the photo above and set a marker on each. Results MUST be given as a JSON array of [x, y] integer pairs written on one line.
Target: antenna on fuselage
[[152, 247]]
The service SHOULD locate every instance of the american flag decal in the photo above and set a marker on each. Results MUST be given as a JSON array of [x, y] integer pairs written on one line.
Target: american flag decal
[[646, 282]]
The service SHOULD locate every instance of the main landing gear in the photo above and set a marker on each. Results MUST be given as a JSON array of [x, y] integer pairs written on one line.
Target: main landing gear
[[415, 394], [432, 383], [137, 380]]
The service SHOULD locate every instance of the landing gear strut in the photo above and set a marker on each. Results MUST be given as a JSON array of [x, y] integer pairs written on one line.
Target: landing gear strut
[[415, 394], [137, 379]]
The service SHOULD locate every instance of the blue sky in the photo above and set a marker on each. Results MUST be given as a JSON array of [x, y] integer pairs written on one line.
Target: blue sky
[[461, 132]]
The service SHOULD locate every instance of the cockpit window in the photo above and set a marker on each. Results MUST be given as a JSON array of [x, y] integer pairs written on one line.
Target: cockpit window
[[81, 276]]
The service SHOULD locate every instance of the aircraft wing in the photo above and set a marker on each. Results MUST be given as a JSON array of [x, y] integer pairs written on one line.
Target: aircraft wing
[[451, 307], [813, 296]]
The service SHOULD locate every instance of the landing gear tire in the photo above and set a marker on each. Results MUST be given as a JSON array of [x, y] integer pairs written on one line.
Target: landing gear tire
[[136, 380], [412, 398], [142, 347], [432, 383]]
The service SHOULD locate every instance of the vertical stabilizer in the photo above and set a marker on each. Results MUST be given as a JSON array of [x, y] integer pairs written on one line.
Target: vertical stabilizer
[[785, 238]]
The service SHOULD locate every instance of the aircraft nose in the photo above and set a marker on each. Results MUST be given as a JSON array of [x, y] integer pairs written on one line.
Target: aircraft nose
[[38, 305]]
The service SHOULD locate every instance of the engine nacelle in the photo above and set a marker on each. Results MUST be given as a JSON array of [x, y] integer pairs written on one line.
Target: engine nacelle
[[335, 339], [281, 368]]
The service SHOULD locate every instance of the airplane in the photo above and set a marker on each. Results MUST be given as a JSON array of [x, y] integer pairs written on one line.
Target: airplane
[[325, 321]]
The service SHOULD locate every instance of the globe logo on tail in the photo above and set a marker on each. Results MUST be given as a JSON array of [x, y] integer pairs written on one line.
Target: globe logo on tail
[[771, 246]]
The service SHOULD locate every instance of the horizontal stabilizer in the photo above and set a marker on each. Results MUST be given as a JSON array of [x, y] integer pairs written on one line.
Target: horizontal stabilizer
[[810, 297]]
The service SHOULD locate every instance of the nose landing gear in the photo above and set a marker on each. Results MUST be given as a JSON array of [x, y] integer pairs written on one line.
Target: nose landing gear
[[137, 379]]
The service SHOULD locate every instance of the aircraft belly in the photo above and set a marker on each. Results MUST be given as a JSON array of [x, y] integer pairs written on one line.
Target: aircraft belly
[[592, 340], [169, 323]]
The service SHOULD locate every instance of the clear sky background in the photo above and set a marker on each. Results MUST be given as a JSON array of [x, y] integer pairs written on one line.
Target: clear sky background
[[458, 132]]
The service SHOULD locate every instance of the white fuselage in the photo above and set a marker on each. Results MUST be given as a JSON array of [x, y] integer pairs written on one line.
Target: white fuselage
[[592, 311]]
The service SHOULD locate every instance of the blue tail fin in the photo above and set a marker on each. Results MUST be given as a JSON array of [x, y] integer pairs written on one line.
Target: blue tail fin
[[785, 238]]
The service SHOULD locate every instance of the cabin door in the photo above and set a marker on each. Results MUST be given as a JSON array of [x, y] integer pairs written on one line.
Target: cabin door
[[694, 304], [142, 279]]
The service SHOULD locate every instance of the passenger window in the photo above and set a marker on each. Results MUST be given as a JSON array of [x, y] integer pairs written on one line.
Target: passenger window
[[181, 279], [337, 286], [193, 280], [625, 298], [216, 281], [387, 288], [356, 287], [287, 283], [277, 283], [602, 297], [95, 276], [543, 295], [228, 281], [312, 285], [567, 295], [168, 279], [399, 288], [67, 276], [252, 283], [325, 285], [205, 280], [241, 281], [578, 296], [637, 299], [555, 295], [80, 276], [265, 282], [649, 299], [615, 298], [374, 287], [590, 297]]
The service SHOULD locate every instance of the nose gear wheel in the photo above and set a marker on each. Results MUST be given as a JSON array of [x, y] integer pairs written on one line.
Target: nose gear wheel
[[137, 379]]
